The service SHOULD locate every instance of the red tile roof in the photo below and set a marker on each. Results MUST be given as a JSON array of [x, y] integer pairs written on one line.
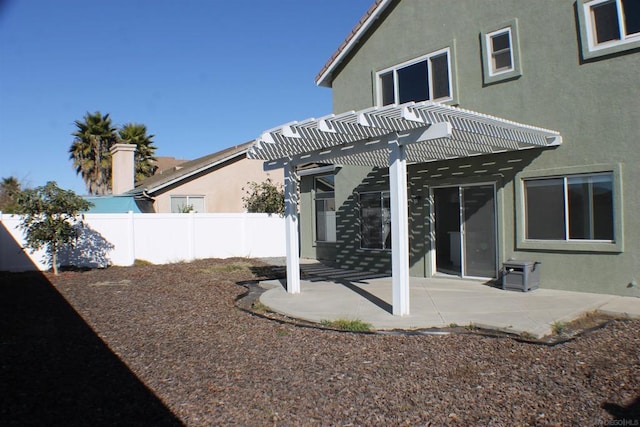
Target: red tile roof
[[364, 21]]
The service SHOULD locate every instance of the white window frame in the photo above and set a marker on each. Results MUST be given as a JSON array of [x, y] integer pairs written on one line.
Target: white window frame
[[492, 53], [188, 197], [425, 58], [590, 47], [579, 245], [565, 194], [490, 74]]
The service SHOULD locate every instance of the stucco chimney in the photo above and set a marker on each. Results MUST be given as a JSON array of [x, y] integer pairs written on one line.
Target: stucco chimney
[[122, 168]]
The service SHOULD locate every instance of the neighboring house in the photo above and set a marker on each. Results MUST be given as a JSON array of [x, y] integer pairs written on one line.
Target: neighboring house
[[211, 184], [467, 133]]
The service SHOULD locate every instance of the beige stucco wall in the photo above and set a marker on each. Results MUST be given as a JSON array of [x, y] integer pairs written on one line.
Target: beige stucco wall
[[221, 187]]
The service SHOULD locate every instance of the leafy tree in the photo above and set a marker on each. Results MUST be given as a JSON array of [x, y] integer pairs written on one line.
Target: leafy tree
[[265, 197], [135, 133], [89, 151], [10, 189], [49, 214]]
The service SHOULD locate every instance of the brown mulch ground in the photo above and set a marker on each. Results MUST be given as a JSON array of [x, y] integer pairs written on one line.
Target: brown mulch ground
[[166, 345]]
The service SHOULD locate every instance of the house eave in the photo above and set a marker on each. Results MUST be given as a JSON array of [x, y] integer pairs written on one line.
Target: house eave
[[154, 189], [325, 76]]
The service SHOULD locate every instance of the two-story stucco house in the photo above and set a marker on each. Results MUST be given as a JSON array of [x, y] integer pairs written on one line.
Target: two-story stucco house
[[468, 133]]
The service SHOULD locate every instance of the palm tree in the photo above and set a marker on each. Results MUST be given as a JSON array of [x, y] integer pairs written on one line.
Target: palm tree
[[135, 133], [89, 151]]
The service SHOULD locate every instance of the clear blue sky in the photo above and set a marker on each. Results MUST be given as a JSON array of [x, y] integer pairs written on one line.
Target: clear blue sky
[[201, 74]]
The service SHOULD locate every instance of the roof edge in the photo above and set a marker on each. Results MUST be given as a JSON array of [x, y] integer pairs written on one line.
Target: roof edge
[[324, 76], [235, 151], [197, 171]]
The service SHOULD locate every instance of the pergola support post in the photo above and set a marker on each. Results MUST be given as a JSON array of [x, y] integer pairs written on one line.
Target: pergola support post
[[399, 228], [291, 228]]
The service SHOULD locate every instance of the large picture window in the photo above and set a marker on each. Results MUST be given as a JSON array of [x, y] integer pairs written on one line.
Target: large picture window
[[325, 208], [574, 207], [423, 79], [609, 26], [375, 220]]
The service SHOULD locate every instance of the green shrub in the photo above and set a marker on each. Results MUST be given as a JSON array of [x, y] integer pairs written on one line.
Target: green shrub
[[266, 197], [558, 328], [352, 325]]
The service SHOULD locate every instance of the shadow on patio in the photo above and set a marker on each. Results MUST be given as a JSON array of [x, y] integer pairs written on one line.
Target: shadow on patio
[[329, 293], [350, 279]]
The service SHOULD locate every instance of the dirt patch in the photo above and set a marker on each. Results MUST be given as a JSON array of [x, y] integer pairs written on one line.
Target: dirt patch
[[123, 282], [177, 331]]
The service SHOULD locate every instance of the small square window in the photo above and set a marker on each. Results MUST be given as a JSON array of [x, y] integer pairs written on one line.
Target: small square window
[[608, 26], [501, 58], [501, 61]]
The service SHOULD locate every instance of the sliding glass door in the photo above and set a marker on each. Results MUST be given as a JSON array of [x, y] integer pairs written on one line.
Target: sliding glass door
[[465, 230]]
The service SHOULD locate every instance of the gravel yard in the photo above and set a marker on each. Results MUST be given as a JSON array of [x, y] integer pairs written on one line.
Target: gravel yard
[[166, 345]]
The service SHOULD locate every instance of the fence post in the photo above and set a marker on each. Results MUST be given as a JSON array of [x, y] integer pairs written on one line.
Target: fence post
[[191, 249], [132, 239], [244, 234]]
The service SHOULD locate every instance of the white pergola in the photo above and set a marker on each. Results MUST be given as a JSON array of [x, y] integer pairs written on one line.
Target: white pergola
[[390, 136]]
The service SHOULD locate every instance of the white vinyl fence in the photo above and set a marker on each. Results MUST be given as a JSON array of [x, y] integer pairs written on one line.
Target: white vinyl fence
[[120, 239]]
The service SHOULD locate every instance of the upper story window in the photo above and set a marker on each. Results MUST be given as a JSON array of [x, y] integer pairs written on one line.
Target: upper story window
[[500, 51], [609, 26], [501, 60], [428, 78]]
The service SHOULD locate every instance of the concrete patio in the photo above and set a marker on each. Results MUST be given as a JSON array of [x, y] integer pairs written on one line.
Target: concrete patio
[[329, 294]]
